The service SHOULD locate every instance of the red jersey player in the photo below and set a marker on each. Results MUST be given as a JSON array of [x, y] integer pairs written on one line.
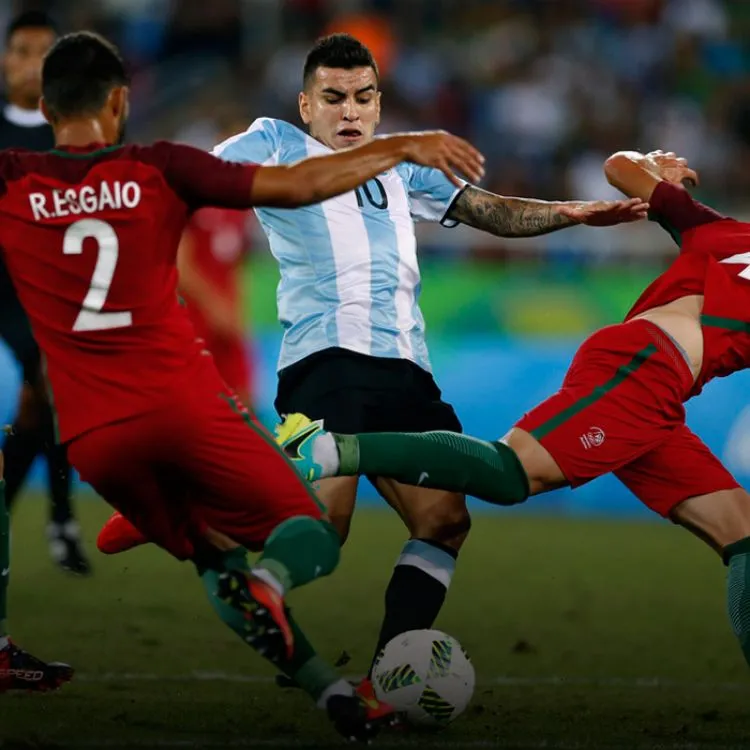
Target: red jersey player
[[89, 232], [210, 259], [621, 405]]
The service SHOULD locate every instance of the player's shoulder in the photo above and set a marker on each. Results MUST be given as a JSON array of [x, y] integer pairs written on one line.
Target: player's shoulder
[[267, 140]]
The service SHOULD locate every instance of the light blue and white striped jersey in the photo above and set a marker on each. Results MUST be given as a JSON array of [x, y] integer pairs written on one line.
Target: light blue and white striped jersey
[[349, 271]]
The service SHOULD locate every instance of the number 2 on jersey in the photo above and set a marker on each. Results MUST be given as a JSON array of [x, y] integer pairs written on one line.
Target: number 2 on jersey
[[91, 317]]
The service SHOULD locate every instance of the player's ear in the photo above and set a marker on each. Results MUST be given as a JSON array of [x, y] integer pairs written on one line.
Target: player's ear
[[118, 101], [304, 107], [45, 111]]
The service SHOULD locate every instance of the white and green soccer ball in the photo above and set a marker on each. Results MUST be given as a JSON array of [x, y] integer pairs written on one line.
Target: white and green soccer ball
[[426, 675]]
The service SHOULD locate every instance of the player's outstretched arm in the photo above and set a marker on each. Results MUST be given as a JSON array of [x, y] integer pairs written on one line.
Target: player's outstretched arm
[[527, 217], [659, 177], [637, 175], [321, 177]]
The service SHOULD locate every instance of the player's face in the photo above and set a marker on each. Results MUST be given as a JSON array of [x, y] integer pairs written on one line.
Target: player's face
[[22, 64], [341, 107]]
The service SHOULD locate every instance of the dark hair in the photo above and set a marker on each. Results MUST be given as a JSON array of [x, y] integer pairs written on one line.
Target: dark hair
[[78, 73], [338, 51], [31, 19]]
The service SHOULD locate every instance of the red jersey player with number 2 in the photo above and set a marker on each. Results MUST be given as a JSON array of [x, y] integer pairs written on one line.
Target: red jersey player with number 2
[[89, 233], [621, 405]]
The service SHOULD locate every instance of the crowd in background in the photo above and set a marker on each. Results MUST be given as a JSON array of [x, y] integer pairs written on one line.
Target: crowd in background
[[546, 88]]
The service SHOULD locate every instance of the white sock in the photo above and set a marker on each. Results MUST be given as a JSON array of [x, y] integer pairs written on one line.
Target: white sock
[[265, 575], [4, 641], [341, 687], [326, 454]]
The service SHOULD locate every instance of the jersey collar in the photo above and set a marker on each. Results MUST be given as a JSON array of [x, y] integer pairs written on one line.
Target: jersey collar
[[25, 118]]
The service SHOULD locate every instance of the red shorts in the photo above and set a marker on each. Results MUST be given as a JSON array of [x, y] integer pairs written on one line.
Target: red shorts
[[198, 460], [620, 409], [231, 361]]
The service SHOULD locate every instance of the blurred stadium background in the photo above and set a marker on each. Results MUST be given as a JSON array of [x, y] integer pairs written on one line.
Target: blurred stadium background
[[586, 634], [547, 89]]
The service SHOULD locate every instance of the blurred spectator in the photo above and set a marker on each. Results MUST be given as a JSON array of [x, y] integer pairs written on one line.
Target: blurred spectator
[[545, 87]]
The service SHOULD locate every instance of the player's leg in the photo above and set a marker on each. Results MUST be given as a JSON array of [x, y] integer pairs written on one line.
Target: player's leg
[[254, 496], [683, 481], [33, 433], [19, 670], [63, 530], [22, 443], [356, 393], [622, 395], [438, 524], [240, 488]]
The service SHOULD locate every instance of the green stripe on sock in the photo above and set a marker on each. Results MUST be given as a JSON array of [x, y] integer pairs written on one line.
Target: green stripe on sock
[[622, 373]]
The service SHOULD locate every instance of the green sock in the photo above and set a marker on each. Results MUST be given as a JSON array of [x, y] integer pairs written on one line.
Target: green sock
[[4, 560], [737, 557], [299, 550], [311, 672], [440, 460]]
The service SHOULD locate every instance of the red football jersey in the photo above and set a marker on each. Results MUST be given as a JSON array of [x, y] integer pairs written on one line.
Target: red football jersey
[[90, 239], [714, 261], [220, 240]]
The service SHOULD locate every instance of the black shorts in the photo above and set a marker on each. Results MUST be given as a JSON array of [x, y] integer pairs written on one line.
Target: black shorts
[[354, 393], [15, 330]]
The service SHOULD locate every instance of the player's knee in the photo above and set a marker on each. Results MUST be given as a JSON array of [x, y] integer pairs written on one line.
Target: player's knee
[[542, 472], [342, 524], [448, 522], [720, 518]]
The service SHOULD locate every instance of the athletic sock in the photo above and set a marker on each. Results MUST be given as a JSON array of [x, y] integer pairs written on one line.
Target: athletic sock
[[308, 669], [417, 588], [737, 558], [20, 448], [440, 460], [299, 550], [59, 480], [4, 565]]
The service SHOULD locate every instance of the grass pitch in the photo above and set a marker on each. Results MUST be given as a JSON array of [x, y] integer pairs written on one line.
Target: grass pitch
[[585, 634]]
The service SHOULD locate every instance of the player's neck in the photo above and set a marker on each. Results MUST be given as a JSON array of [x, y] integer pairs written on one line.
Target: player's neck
[[80, 133]]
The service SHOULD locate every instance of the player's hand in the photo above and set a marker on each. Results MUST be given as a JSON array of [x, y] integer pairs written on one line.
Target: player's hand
[[605, 213], [672, 168], [446, 152]]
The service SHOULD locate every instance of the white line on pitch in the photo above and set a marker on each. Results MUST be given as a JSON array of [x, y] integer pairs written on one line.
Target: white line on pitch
[[405, 743], [636, 683]]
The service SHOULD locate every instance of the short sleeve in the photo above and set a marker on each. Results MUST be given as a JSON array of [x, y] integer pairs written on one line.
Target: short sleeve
[[259, 144], [201, 179], [431, 195]]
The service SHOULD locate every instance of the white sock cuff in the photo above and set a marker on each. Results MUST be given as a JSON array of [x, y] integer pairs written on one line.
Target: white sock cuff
[[434, 561]]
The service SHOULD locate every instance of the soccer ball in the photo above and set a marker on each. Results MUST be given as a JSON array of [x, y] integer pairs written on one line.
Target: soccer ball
[[425, 675]]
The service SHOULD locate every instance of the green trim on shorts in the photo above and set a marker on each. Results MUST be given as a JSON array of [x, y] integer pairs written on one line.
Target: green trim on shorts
[[622, 372], [729, 324], [247, 419]]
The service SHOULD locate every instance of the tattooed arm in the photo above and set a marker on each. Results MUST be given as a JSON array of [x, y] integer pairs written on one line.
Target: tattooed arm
[[527, 217]]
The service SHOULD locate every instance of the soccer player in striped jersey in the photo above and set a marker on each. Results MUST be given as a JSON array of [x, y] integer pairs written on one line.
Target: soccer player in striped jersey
[[354, 351]]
